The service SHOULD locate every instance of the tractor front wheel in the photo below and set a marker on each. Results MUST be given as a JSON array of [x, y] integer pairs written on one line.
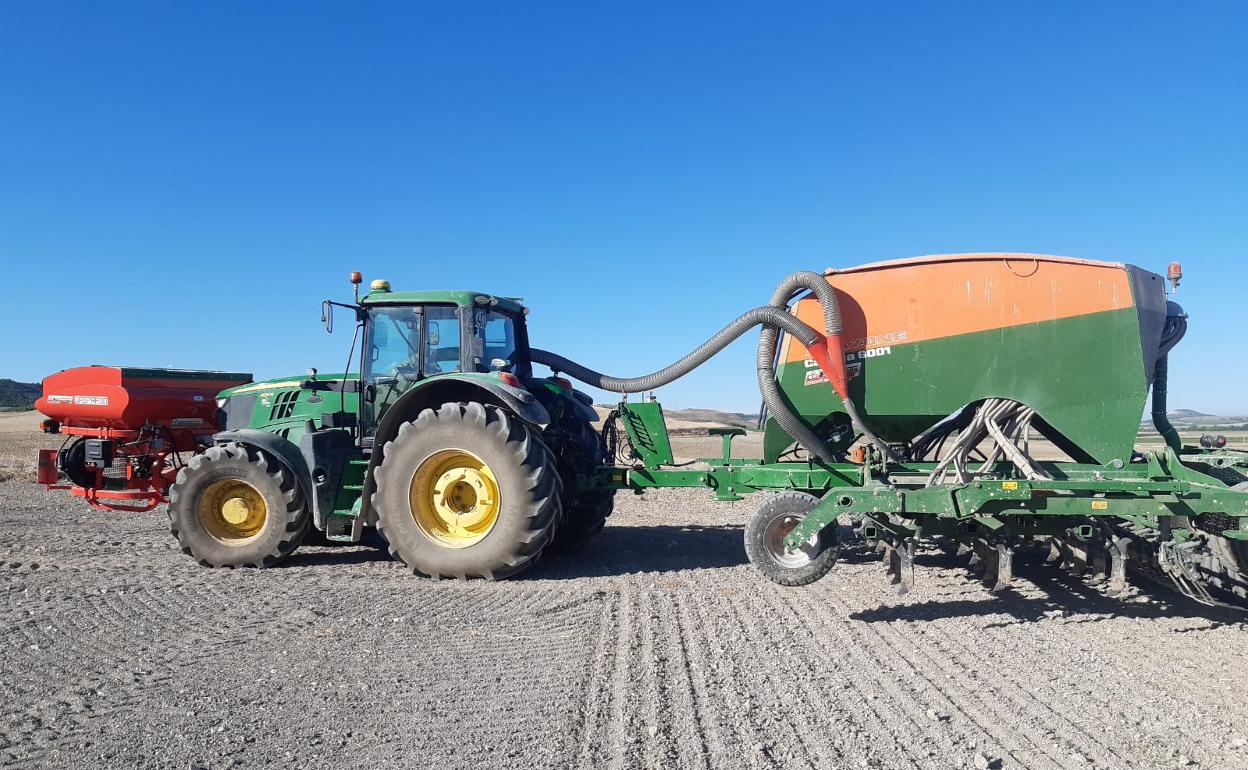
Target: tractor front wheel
[[467, 491], [234, 506]]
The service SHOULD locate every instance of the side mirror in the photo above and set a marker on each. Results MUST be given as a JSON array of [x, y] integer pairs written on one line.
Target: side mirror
[[434, 336], [327, 316]]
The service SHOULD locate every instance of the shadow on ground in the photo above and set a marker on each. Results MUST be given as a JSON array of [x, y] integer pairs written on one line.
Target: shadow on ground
[[614, 551], [316, 556], [622, 550], [1070, 596]]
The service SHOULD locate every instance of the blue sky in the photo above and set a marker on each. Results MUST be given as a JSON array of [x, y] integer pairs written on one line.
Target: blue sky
[[182, 183]]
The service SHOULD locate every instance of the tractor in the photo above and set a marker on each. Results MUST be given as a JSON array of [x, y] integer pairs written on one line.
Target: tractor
[[465, 463], [444, 441]]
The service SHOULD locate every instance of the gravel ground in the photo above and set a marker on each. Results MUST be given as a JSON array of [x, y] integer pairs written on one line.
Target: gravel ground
[[654, 646]]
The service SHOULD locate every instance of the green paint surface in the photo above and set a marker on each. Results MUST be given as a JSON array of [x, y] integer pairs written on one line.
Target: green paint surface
[[1084, 375], [462, 298]]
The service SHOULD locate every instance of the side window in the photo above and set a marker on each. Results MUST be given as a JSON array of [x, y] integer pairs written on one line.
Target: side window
[[393, 336], [394, 331], [497, 333], [441, 340]]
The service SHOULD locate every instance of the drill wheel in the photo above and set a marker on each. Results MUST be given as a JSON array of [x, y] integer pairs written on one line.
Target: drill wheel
[[766, 530]]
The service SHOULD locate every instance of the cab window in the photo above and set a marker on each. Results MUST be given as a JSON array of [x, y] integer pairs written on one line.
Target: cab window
[[391, 360], [496, 336], [441, 340], [393, 340]]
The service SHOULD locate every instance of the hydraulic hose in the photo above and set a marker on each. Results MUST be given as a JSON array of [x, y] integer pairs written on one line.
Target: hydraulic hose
[[776, 404], [1172, 332], [773, 318], [767, 316], [1160, 420]]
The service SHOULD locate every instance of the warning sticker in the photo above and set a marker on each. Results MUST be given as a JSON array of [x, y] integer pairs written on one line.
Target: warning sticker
[[60, 399]]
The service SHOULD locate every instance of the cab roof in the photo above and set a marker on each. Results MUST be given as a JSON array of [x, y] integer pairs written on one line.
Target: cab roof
[[450, 297]]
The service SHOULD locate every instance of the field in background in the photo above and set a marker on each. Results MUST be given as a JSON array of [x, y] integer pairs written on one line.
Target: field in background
[[22, 438]]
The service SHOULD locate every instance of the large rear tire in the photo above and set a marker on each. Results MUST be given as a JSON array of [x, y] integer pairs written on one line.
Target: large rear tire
[[234, 506], [580, 455], [468, 491], [583, 519]]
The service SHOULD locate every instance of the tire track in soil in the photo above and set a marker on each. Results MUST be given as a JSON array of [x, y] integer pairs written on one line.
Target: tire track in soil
[[710, 752], [595, 710], [1002, 684], [801, 722], [859, 699], [728, 706], [605, 742], [1027, 696], [675, 735], [985, 718], [586, 670], [645, 722], [887, 715], [1016, 693], [992, 720], [83, 693]]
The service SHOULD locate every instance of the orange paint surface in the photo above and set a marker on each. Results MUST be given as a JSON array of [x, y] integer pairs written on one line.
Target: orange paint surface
[[913, 300]]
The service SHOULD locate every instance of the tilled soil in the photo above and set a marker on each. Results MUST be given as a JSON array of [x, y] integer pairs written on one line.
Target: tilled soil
[[655, 646]]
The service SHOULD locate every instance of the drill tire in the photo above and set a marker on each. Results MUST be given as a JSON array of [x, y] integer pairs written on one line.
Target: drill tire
[[769, 523]]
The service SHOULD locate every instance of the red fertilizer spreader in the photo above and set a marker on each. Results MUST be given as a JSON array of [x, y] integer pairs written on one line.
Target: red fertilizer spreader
[[125, 428]]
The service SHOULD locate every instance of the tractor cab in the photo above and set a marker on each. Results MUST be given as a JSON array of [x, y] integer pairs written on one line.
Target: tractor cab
[[410, 338]]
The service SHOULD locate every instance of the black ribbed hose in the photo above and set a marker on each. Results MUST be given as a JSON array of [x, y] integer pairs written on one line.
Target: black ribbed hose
[[1161, 420], [1173, 331], [766, 316], [773, 319], [774, 399]]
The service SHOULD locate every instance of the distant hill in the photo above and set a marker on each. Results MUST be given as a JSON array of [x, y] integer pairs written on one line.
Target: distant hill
[[709, 417], [739, 419], [18, 395], [1183, 414]]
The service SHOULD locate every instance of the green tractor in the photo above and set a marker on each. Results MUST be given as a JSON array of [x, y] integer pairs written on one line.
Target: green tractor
[[466, 464]]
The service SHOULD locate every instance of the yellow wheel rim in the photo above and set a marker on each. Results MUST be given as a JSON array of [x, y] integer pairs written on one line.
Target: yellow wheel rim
[[232, 511], [454, 498]]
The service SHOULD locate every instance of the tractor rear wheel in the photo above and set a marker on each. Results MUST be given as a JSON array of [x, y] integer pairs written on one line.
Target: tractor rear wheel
[[766, 530], [467, 491], [583, 519], [584, 514], [234, 506]]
